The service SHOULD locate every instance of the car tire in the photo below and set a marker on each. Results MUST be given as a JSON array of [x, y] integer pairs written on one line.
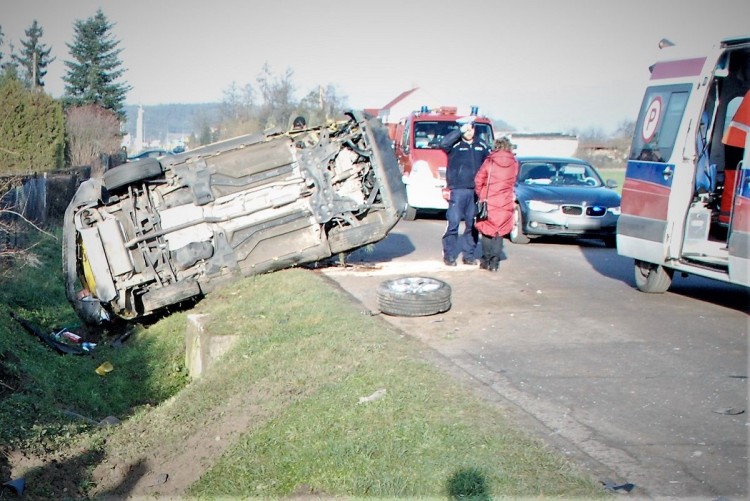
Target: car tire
[[414, 296], [410, 214], [652, 278], [131, 172], [517, 236]]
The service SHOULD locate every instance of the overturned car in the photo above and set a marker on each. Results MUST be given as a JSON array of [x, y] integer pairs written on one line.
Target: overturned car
[[155, 232]]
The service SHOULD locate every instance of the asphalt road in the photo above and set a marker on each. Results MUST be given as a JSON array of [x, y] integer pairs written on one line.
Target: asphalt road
[[649, 389]]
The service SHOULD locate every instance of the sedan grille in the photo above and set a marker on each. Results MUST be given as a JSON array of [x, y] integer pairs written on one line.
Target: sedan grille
[[572, 210], [578, 210]]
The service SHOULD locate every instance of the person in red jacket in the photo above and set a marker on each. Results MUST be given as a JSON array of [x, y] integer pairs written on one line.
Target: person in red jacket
[[494, 182]]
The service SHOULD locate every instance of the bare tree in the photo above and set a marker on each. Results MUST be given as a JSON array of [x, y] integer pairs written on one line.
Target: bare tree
[[277, 94], [92, 131], [238, 111], [322, 104]]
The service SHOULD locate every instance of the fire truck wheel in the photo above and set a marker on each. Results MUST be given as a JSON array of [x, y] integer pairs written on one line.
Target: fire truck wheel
[[414, 296], [651, 277], [410, 214]]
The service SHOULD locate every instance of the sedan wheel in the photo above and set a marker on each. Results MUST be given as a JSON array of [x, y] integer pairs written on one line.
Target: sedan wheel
[[131, 172], [517, 235], [414, 296]]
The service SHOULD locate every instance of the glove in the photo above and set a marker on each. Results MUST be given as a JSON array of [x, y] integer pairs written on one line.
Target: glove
[[465, 127]]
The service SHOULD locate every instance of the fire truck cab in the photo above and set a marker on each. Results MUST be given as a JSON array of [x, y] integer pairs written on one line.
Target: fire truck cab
[[416, 140], [686, 195]]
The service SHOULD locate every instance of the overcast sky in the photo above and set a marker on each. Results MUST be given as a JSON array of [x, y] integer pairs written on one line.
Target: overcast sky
[[544, 66]]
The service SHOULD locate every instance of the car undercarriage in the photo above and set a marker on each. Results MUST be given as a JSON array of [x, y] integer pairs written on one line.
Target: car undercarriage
[[156, 232]]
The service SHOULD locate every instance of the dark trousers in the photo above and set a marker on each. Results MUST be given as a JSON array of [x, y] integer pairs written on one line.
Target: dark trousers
[[460, 208], [492, 250]]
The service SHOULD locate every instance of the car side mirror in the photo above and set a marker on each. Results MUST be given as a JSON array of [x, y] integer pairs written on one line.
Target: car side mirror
[[611, 183]]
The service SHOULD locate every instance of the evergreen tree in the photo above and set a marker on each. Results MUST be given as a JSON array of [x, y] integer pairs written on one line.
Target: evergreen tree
[[34, 57], [93, 73], [32, 131], [8, 69]]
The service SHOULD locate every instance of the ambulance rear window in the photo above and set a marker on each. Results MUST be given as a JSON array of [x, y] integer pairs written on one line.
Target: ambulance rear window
[[658, 122]]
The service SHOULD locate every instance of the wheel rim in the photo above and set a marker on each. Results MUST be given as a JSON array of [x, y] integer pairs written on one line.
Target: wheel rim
[[414, 285], [516, 216]]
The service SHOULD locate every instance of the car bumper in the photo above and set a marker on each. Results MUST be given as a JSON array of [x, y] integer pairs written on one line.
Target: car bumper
[[425, 193], [556, 223]]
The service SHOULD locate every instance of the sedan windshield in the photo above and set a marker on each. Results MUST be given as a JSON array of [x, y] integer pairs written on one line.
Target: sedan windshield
[[559, 174]]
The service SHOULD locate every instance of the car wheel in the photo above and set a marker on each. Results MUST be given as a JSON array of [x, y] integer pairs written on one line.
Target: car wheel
[[651, 277], [414, 296], [131, 172], [410, 214], [517, 236]]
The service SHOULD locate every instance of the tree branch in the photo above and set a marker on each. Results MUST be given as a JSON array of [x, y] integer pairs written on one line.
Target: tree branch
[[18, 214]]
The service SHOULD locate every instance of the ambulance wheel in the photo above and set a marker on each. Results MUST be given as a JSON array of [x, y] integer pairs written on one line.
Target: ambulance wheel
[[651, 277], [410, 214], [414, 296]]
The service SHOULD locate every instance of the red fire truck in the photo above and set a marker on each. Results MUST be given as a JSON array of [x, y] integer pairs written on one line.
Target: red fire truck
[[416, 140]]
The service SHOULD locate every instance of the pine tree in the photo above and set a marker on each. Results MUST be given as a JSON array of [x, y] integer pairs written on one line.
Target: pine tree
[[34, 57], [8, 69], [93, 73]]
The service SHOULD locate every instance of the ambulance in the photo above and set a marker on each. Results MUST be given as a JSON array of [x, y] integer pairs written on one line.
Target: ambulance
[[416, 139], [686, 195]]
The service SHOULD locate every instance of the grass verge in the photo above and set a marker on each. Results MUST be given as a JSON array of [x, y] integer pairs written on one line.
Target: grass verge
[[282, 413]]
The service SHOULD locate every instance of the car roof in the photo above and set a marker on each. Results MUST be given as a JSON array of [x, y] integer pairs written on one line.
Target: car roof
[[551, 159]]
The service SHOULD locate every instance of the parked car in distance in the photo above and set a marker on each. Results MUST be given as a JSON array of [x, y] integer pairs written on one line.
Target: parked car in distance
[[563, 197], [153, 233], [150, 153]]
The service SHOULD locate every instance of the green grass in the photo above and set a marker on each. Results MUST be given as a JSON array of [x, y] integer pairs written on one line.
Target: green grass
[[40, 386], [293, 381], [618, 174]]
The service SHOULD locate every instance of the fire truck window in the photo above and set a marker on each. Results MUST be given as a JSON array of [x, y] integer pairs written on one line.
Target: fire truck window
[[426, 135]]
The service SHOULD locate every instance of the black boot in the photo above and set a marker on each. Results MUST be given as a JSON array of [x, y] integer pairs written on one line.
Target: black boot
[[494, 264]]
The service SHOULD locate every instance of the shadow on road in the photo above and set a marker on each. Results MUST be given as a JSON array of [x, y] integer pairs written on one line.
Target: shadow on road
[[395, 245], [609, 263]]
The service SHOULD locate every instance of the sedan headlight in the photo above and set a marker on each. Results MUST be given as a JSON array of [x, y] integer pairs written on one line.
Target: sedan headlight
[[614, 210], [539, 206]]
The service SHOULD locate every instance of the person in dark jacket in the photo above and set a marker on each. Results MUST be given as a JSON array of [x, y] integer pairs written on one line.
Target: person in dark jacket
[[465, 154], [495, 183]]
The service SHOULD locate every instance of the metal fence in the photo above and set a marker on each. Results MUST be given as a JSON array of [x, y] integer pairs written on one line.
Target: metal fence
[[35, 200]]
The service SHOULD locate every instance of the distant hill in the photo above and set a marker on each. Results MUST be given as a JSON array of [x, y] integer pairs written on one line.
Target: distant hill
[[165, 121]]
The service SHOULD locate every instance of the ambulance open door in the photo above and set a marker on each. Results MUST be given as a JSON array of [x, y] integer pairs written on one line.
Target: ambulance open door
[[738, 240]]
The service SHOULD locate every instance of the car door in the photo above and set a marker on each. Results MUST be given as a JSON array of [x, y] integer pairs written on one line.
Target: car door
[[646, 193]]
